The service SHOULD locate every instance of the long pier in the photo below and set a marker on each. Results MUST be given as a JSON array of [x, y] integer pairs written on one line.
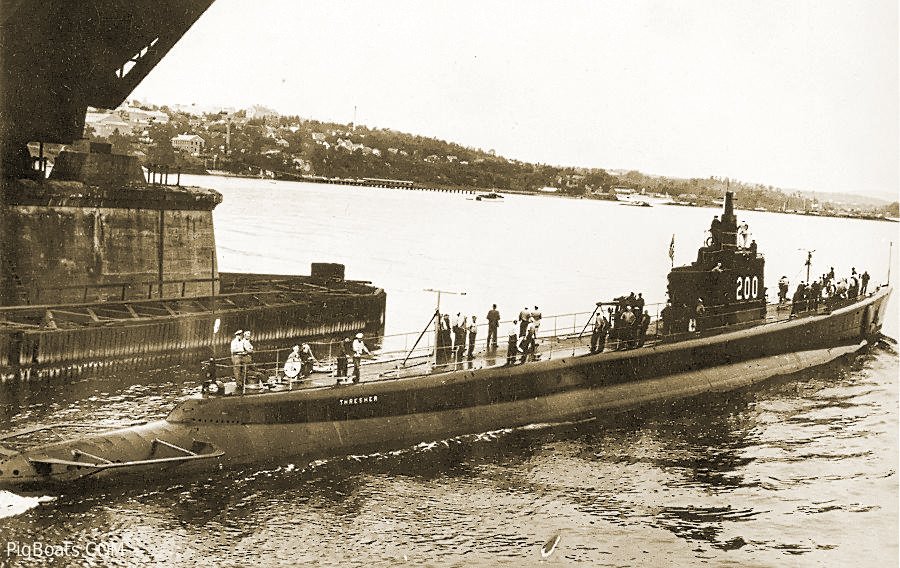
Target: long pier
[[372, 182]]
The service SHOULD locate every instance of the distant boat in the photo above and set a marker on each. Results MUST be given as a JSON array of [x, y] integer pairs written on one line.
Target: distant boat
[[488, 196]]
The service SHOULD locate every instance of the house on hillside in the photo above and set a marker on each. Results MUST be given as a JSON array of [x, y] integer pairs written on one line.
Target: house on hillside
[[104, 124], [190, 143]]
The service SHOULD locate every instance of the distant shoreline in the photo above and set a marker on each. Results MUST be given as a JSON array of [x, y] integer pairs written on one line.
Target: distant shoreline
[[411, 186]]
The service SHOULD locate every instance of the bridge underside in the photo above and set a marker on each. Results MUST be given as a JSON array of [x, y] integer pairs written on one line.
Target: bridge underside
[[58, 57]]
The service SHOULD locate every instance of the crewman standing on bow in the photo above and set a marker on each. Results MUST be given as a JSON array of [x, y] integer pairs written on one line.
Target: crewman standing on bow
[[247, 357], [359, 349], [237, 354]]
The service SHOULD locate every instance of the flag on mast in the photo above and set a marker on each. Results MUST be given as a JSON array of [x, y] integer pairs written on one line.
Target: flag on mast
[[672, 250]]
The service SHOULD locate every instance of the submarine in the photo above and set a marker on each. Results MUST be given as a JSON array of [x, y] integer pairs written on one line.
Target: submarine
[[732, 342]]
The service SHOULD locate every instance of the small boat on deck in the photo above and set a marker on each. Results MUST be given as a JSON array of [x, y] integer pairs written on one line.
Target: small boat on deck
[[716, 334]]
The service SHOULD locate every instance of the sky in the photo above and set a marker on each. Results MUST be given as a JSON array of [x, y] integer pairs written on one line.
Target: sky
[[799, 94]]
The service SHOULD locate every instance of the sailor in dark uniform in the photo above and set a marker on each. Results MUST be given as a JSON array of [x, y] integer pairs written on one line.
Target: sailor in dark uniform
[[639, 303], [512, 347], [715, 229], [342, 360], [798, 302], [493, 318], [308, 359], [815, 294], [445, 339], [783, 289], [645, 323]]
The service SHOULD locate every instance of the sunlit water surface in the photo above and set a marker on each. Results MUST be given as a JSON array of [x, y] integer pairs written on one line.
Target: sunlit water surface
[[800, 471]]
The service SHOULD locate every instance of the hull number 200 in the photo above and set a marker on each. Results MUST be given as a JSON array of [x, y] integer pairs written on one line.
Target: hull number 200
[[747, 288]]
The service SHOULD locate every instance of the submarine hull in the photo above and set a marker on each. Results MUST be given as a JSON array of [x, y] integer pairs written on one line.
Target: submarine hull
[[205, 433]]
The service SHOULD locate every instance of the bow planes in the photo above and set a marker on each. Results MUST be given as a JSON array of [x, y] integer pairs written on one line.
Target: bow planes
[[716, 334]]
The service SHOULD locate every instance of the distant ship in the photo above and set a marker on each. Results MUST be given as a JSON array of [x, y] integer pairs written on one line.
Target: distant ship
[[730, 343]]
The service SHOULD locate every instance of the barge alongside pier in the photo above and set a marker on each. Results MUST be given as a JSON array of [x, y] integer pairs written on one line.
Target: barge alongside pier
[[100, 266], [731, 346]]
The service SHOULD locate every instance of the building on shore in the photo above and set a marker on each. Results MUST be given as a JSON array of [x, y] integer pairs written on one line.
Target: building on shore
[[190, 143]]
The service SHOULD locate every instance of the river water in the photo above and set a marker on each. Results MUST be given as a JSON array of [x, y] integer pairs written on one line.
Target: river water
[[800, 471]]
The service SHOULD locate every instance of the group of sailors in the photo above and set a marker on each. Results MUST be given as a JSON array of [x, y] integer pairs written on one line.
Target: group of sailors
[[457, 336], [355, 350], [241, 358], [522, 336], [299, 364], [825, 290], [742, 239], [627, 323]]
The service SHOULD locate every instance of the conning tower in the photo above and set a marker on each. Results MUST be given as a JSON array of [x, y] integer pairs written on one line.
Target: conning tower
[[723, 287]]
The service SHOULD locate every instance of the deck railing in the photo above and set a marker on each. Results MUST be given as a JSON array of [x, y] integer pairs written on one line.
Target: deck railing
[[562, 335]]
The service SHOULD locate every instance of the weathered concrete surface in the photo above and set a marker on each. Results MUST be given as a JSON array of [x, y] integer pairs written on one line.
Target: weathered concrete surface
[[96, 168], [64, 241]]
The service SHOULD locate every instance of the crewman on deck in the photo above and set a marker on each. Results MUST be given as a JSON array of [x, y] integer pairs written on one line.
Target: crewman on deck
[[744, 233], [629, 330], [523, 321], [715, 229], [359, 349], [598, 337], [493, 319], [473, 331], [306, 355], [529, 342], [342, 360], [247, 357], [237, 352], [446, 338], [864, 279], [536, 314], [783, 284], [293, 365], [840, 289], [664, 324], [512, 346], [853, 288], [459, 339], [639, 302], [815, 295], [798, 302], [645, 323]]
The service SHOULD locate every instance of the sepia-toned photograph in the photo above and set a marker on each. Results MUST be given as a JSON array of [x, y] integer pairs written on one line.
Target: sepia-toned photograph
[[399, 283]]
